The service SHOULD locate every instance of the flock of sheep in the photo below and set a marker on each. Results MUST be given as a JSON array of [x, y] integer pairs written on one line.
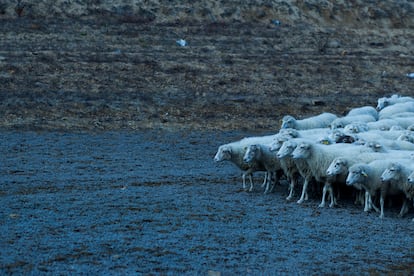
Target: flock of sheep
[[370, 149]]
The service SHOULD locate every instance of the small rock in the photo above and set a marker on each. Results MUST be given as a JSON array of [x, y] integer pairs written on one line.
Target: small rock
[[333, 44], [182, 42], [276, 22], [410, 75]]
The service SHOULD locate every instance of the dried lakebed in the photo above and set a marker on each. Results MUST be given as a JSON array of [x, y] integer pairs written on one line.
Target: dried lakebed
[[155, 202]]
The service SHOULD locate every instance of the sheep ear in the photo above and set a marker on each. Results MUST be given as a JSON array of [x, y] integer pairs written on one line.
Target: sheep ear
[[325, 142]]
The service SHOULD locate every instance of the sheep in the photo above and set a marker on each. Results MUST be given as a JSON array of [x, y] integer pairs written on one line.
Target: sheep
[[396, 127], [384, 145], [320, 135], [368, 176], [339, 167], [339, 136], [378, 134], [346, 120], [410, 185], [234, 152], [394, 99], [404, 122], [396, 179], [259, 153], [364, 110], [411, 178], [391, 110], [356, 127], [407, 136], [295, 167], [409, 114], [319, 157], [319, 121], [394, 123]]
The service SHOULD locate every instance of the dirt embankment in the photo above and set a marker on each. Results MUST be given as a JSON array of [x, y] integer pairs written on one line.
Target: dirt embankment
[[102, 65]]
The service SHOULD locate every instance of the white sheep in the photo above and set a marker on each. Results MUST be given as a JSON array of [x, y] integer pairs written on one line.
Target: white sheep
[[234, 152], [319, 157], [320, 135], [259, 153], [346, 120], [339, 136], [395, 178], [356, 127], [407, 136], [394, 123], [379, 134], [404, 122], [385, 145], [368, 176], [403, 115], [296, 166], [319, 121], [410, 185], [364, 110], [340, 165], [392, 110], [394, 99]]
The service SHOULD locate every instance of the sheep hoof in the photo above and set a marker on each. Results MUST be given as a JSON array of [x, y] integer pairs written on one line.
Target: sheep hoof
[[289, 198], [300, 201], [322, 205]]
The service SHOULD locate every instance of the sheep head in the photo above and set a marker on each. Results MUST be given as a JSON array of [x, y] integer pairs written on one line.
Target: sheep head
[[223, 153]]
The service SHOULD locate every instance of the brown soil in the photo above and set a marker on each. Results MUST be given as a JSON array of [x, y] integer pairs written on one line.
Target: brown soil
[[102, 66]]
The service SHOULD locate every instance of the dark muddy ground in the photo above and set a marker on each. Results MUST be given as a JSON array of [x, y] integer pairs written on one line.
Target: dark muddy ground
[[155, 203]]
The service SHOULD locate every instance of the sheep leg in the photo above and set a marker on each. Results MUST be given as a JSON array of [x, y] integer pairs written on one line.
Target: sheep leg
[[291, 188], [251, 182], [369, 205], [404, 208], [278, 175], [264, 180], [331, 193], [372, 205], [366, 204], [325, 188], [273, 183], [267, 182], [304, 192], [382, 207], [359, 198]]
